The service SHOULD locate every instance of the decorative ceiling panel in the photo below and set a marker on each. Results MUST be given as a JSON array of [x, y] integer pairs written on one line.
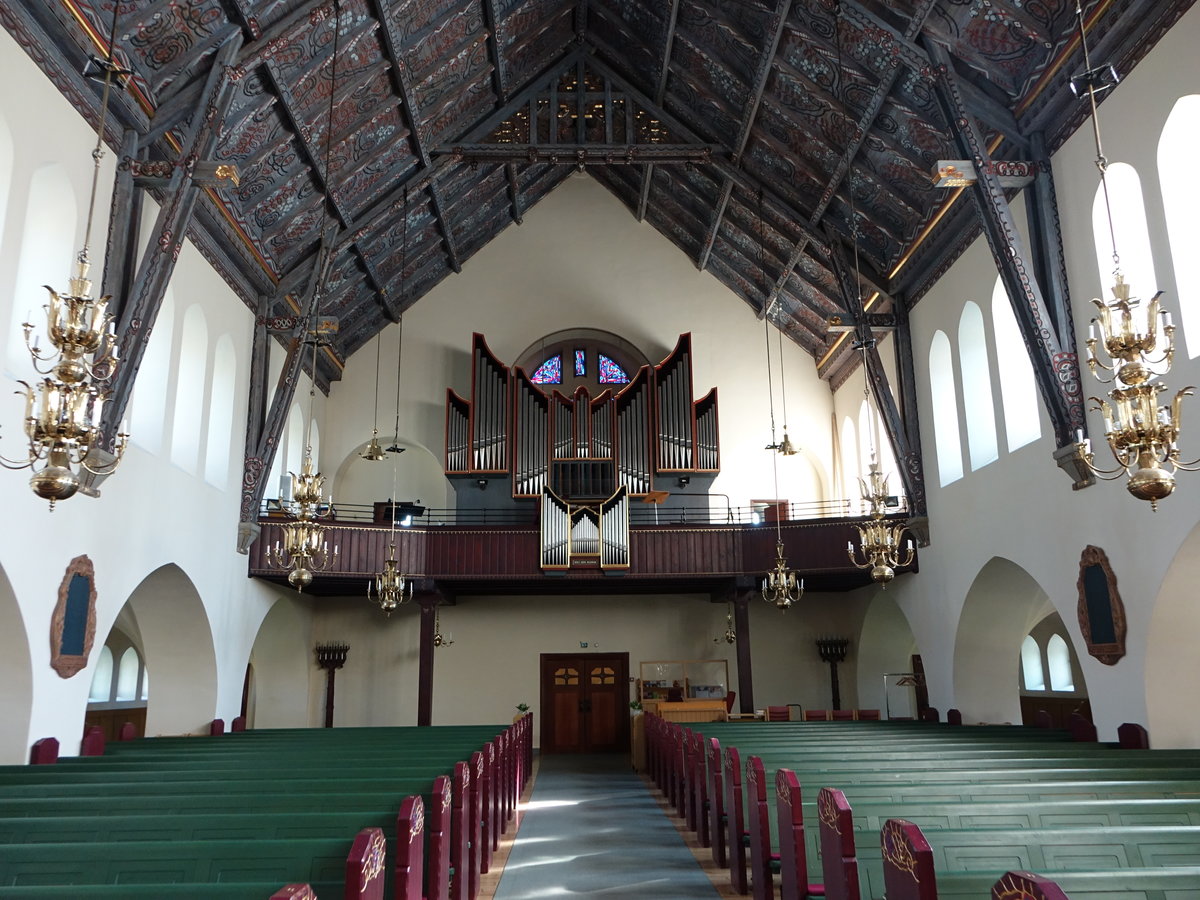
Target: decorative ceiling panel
[[802, 103]]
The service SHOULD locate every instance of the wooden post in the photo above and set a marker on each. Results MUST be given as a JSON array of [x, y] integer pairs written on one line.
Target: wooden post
[[741, 619], [429, 605], [330, 657]]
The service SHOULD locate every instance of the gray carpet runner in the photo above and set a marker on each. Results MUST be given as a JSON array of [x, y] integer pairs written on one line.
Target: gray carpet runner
[[593, 829]]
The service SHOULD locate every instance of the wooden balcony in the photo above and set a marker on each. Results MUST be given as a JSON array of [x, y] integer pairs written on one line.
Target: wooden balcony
[[504, 559]]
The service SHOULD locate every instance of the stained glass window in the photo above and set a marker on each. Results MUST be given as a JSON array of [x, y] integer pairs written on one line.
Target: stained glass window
[[580, 362], [549, 372], [610, 372]]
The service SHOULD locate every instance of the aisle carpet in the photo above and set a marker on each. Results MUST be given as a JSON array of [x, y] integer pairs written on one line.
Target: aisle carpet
[[592, 829]]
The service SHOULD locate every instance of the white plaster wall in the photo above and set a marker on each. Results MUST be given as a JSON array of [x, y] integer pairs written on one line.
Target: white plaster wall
[[150, 513], [1021, 507]]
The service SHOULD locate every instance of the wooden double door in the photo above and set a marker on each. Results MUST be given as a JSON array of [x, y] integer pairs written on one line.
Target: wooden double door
[[585, 702]]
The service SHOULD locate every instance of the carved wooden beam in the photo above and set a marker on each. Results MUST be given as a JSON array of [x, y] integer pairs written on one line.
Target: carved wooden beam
[[1055, 362], [659, 93], [139, 310], [903, 435], [491, 21], [124, 225], [746, 125]]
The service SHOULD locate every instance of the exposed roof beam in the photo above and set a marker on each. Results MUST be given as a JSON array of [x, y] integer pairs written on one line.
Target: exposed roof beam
[[491, 21], [862, 129], [746, 125], [659, 93]]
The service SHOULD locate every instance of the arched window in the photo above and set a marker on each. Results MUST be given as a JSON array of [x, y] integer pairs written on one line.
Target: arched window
[[866, 427], [46, 256], [189, 390], [149, 402], [1058, 661], [977, 387], [294, 448], [315, 438], [1018, 389], [1031, 665], [145, 683], [220, 413], [1181, 198], [1132, 236], [127, 675], [549, 372], [610, 371], [849, 459], [102, 678], [944, 397]]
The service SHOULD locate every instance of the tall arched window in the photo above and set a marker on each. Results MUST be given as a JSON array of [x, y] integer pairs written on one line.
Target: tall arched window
[[866, 426], [1181, 198], [127, 675], [148, 405], [944, 397], [977, 387], [1058, 661], [189, 390], [849, 454], [102, 678], [1132, 236], [1018, 389], [220, 413], [292, 452], [1031, 665], [47, 251]]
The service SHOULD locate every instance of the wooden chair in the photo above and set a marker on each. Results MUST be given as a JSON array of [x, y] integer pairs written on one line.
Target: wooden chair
[[715, 785], [1026, 886], [366, 872], [871, 715], [839, 859], [793, 853], [763, 863], [735, 821], [841, 715], [907, 862], [816, 715], [1132, 736], [93, 742], [779, 714]]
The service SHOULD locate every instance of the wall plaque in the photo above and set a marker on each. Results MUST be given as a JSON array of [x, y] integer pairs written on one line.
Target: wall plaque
[[1101, 612], [73, 625]]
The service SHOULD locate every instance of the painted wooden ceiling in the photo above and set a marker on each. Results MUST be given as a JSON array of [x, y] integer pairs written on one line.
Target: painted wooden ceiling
[[762, 130]]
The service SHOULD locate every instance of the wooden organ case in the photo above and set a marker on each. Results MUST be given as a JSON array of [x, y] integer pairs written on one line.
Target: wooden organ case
[[583, 458]]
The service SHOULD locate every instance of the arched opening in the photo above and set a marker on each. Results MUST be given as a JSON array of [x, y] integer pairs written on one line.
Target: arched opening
[[1176, 150], [1033, 673], [46, 255], [419, 477], [1173, 668], [849, 460], [189, 390], [16, 688], [1058, 687], [1129, 228], [282, 663], [944, 396], [886, 647], [166, 614], [1001, 607], [220, 413], [119, 691], [1018, 389], [977, 387]]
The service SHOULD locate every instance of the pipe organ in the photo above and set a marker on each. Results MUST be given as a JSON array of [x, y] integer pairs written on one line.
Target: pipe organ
[[573, 534], [581, 447]]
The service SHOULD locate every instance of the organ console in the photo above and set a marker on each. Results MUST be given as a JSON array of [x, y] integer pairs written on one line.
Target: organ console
[[582, 457]]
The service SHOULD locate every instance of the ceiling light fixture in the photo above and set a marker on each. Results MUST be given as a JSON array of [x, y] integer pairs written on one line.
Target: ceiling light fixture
[[63, 411], [1142, 436]]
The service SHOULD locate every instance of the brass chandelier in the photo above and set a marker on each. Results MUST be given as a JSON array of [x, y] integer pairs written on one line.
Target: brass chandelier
[[64, 411], [1142, 436], [879, 538], [391, 588], [304, 549]]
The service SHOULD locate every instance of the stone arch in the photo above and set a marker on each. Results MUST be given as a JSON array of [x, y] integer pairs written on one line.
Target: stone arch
[[420, 475], [885, 644], [1003, 603], [282, 662], [1172, 665], [178, 648], [16, 688]]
